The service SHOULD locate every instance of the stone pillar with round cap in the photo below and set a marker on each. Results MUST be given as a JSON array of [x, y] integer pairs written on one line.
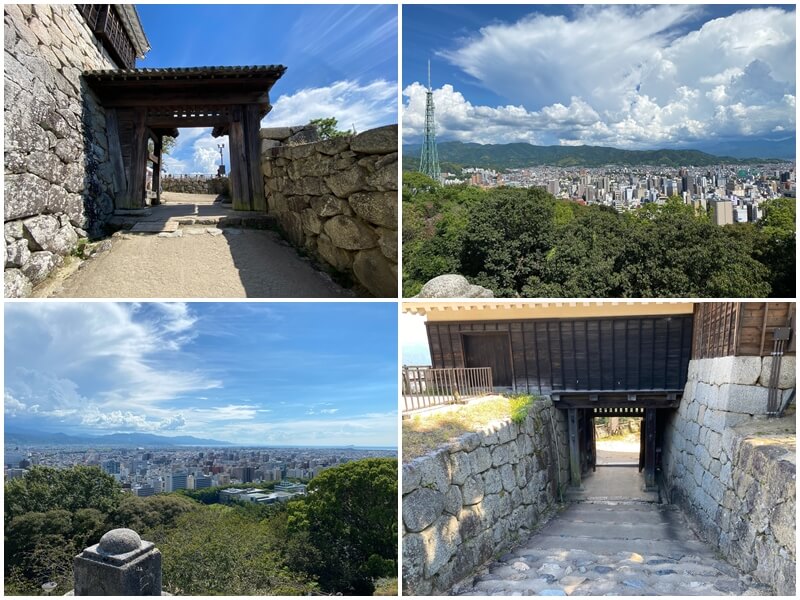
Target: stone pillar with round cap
[[122, 564]]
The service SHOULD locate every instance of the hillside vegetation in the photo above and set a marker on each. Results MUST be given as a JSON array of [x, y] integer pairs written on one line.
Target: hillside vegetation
[[340, 538], [455, 155], [526, 243]]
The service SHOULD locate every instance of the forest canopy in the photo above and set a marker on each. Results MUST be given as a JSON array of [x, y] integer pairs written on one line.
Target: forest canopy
[[340, 538], [526, 243]]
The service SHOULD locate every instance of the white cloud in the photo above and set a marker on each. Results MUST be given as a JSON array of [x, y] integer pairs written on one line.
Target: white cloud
[[196, 151], [621, 75], [352, 103], [120, 354]]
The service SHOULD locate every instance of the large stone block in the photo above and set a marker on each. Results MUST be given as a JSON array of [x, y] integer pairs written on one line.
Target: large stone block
[[17, 254], [346, 182], [40, 265], [434, 471], [413, 564], [379, 208], [382, 140], [453, 500], [16, 284], [453, 286], [350, 234], [481, 459], [385, 177], [472, 491], [421, 508], [440, 541], [328, 206], [375, 272], [461, 467], [341, 260], [492, 482], [411, 477], [311, 222], [748, 399], [787, 377]]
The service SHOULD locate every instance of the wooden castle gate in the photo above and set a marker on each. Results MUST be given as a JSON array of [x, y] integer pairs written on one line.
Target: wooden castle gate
[[147, 104]]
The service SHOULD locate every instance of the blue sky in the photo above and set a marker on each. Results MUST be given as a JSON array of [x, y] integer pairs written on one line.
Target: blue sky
[[623, 75], [341, 59], [249, 373]]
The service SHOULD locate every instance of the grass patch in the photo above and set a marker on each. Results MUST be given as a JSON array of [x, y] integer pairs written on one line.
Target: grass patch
[[520, 405], [386, 586], [425, 432]]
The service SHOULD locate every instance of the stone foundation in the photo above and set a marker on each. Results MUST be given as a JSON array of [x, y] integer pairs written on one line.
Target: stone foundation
[[734, 480], [337, 199], [58, 177], [196, 185], [465, 503]]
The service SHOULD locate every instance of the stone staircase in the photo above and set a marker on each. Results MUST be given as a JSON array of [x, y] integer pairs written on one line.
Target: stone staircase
[[612, 548]]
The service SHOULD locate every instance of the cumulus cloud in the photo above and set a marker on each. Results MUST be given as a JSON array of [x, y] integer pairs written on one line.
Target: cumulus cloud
[[363, 105], [119, 352], [622, 75], [196, 152]]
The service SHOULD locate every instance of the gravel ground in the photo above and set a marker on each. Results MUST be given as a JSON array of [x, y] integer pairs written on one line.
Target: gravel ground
[[199, 263]]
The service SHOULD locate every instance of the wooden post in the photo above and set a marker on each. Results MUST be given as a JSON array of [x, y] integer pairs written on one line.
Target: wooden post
[[240, 196], [118, 175], [135, 197], [158, 146], [252, 147], [574, 448], [650, 449]]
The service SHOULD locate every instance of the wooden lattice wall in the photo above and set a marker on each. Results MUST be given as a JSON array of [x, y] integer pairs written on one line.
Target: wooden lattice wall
[[740, 328]]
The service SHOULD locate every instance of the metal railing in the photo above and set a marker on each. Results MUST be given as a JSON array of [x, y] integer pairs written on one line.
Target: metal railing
[[424, 387]]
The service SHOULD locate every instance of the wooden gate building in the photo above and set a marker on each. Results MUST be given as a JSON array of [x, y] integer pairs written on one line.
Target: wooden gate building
[[147, 104]]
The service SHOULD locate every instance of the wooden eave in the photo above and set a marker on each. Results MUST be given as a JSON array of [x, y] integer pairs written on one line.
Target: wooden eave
[[184, 87]]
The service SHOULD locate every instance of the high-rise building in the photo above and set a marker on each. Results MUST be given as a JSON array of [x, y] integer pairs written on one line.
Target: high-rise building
[[243, 474], [721, 212], [429, 160], [177, 481], [144, 490], [202, 482]]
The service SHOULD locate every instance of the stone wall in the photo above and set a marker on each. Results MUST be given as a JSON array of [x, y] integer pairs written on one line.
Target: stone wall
[[736, 485], [337, 199], [58, 179], [196, 185], [465, 503]]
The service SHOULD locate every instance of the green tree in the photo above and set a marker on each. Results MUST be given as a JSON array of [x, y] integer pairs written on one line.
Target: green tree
[[416, 182], [327, 128], [350, 516], [779, 246], [222, 550], [43, 489]]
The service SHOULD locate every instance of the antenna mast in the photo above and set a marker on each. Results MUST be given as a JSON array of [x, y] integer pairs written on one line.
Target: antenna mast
[[429, 161]]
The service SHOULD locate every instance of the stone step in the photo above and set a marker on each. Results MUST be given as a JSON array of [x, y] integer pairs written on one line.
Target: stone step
[[671, 549]]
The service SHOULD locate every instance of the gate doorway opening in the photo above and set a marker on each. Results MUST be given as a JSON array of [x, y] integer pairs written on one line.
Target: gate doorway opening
[[616, 471]]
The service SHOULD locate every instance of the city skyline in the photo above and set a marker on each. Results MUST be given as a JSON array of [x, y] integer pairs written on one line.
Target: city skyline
[[252, 374], [333, 68], [621, 76]]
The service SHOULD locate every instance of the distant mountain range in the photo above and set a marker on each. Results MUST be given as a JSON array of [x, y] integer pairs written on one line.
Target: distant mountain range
[[517, 155], [24, 436]]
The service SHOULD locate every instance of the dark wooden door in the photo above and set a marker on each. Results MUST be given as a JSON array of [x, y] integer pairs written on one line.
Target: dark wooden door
[[490, 350]]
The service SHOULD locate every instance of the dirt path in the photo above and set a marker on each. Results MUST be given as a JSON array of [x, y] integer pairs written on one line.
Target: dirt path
[[202, 262]]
